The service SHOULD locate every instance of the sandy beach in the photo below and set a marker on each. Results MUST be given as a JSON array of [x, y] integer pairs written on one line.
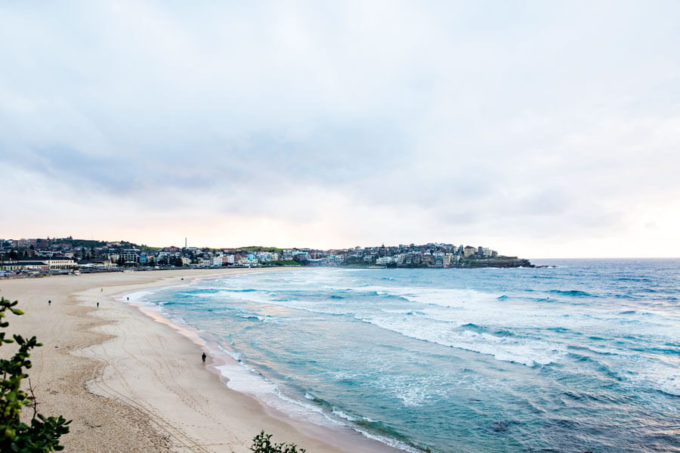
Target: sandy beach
[[130, 383]]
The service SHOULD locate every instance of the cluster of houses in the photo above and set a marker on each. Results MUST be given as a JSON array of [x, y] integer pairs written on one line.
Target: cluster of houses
[[73, 255]]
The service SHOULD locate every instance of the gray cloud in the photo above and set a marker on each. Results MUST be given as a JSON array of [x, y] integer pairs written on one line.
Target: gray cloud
[[507, 121]]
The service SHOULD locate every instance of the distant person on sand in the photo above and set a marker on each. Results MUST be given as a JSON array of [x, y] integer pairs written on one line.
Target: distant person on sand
[[49, 302], [97, 304], [203, 357]]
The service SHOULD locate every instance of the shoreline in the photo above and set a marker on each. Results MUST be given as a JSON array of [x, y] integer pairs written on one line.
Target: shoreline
[[132, 383], [241, 378]]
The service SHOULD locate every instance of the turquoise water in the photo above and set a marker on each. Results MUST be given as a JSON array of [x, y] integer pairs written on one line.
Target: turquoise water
[[581, 356]]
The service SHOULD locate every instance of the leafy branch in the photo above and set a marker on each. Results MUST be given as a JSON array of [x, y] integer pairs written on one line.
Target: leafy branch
[[43, 433], [262, 444]]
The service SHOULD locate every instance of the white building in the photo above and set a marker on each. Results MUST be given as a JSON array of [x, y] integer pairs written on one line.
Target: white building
[[384, 261]]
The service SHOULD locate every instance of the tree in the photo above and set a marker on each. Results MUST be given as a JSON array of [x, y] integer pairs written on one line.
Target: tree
[[262, 444], [43, 434]]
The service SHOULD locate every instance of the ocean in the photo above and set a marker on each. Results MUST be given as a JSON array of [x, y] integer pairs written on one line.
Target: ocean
[[582, 355]]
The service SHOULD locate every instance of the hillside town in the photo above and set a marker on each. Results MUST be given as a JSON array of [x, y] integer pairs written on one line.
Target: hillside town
[[68, 255]]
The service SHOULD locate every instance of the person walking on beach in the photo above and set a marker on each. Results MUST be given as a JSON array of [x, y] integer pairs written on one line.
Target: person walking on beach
[[203, 357], [97, 304], [49, 302]]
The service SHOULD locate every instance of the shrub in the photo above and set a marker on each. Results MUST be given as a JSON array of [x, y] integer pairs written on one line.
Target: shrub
[[262, 444], [43, 434]]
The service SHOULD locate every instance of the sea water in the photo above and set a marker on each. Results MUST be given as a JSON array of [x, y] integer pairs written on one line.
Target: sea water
[[581, 355]]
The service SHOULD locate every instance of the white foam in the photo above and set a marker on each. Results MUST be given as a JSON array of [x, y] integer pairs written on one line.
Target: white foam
[[654, 372], [510, 349], [670, 383], [456, 307], [137, 296], [245, 380], [337, 412]]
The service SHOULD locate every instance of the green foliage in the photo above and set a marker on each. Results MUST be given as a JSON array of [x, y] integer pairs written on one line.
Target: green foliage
[[259, 248], [43, 434], [85, 243], [281, 263], [262, 444]]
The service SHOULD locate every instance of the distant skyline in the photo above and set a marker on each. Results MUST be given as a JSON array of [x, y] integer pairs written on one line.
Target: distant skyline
[[539, 129]]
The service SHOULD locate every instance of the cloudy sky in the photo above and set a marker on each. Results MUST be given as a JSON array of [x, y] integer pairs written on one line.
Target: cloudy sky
[[542, 129]]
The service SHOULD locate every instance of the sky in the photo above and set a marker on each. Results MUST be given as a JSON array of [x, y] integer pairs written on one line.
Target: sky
[[539, 129]]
